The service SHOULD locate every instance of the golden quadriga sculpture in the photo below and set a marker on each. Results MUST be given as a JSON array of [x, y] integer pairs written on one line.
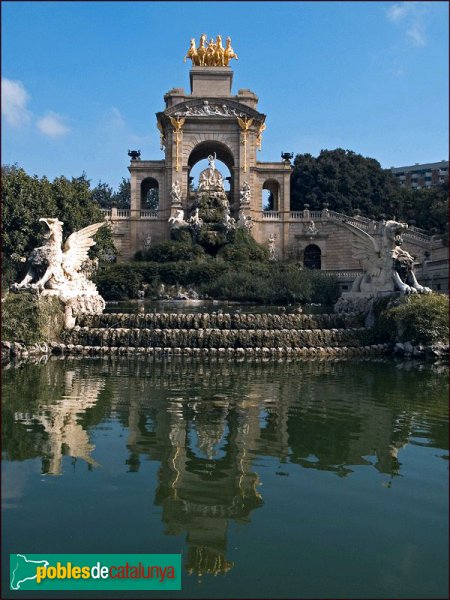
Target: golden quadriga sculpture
[[211, 54]]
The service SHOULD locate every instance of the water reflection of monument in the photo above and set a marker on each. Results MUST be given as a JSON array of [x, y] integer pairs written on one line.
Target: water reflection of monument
[[206, 477], [60, 420], [206, 424]]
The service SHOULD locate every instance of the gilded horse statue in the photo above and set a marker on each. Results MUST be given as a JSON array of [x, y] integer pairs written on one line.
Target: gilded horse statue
[[210, 53], [219, 55], [193, 54], [229, 52], [201, 51]]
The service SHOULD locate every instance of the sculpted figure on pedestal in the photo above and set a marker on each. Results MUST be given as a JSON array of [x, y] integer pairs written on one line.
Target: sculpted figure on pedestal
[[211, 178], [175, 193], [387, 268], [57, 271]]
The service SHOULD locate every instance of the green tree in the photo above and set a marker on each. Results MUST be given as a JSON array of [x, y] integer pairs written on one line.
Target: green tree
[[26, 198], [103, 195], [345, 180], [151, 201], [122, 198]]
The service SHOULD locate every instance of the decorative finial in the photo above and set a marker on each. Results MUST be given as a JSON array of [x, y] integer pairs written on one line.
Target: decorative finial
[[135, 154]]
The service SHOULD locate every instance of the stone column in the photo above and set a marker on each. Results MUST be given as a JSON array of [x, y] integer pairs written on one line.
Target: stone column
[[285, 207], [135, 211]]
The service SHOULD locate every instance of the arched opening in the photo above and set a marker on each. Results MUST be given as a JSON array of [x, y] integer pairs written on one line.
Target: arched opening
[[270, 195], [149, 194], [198, 161], [312, 257]]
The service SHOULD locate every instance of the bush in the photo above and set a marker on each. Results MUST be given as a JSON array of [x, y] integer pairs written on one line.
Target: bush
[[263, 282], [325, 289], [29, 318], [244, 248], [119, 282], [240, 286], [273, 283], [420, 319], [171, 251]]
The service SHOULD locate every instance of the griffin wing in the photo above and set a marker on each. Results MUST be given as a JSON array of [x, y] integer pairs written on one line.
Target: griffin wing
[[77, 246], [366, 250]]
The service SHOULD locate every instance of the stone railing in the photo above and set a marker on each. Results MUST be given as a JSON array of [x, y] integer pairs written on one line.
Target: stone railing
[[270, 215], [149, 214], [363, 223], [343, 274], [417, 235], [116, 213]]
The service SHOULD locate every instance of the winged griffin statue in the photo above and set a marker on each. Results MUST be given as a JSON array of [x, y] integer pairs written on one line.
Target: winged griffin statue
[[387, 268], [57, 271]]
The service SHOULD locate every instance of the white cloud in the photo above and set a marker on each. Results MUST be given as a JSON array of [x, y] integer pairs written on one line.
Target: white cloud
[[53, 125], [116, 127], [411, 18], [115, 119], [396, 12], [416, 35], [14, 103]]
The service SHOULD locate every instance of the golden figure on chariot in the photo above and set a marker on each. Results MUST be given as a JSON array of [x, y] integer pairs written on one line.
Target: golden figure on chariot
[[211, 54]]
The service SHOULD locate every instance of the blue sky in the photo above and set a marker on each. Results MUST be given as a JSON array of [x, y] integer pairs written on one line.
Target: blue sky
[[82, 81]]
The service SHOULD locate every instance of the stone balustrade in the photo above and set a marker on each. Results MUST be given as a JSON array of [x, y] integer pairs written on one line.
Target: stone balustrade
[[149, 214], [270, 215]]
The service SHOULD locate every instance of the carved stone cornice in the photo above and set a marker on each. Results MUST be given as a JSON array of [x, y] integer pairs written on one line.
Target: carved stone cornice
[[218, 108]]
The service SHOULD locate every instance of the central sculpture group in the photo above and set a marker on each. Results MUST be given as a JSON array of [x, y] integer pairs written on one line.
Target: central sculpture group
[[210, 222], [211, 55]]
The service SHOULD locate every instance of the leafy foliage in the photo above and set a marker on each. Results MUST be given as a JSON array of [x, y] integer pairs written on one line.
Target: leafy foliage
[[151, 200], [420, 319], [273, 284], [343, 179], [267, 283], [29, 319], [171, 251], [26, 198], [348, 181], [243, 248], [105, 196], [122, 197]]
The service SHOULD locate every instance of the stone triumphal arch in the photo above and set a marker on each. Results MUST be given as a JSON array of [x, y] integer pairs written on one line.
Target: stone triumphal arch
[[211, 121]]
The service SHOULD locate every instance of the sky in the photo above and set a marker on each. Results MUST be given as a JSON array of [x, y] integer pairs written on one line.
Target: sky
[[82, 81]]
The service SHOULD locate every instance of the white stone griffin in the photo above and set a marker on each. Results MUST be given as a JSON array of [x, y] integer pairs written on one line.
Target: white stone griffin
[[387, 268], [58, 271]]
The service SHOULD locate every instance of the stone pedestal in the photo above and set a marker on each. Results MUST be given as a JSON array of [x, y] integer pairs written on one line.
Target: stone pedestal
[[211, 81]]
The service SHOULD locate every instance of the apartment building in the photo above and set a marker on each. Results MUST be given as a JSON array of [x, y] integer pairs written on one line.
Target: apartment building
[[420, 176]]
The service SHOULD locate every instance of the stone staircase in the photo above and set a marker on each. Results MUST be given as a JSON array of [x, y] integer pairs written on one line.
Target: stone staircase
[[240, 334]]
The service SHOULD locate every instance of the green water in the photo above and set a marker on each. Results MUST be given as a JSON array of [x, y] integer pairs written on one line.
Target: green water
[[313, 479], [207, 306]]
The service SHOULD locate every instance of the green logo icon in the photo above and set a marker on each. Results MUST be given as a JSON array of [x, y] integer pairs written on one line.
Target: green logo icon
[[95, 572]]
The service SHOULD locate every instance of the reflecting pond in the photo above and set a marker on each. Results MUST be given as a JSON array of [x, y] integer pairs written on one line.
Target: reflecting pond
[[315, 479], [207, 306]]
